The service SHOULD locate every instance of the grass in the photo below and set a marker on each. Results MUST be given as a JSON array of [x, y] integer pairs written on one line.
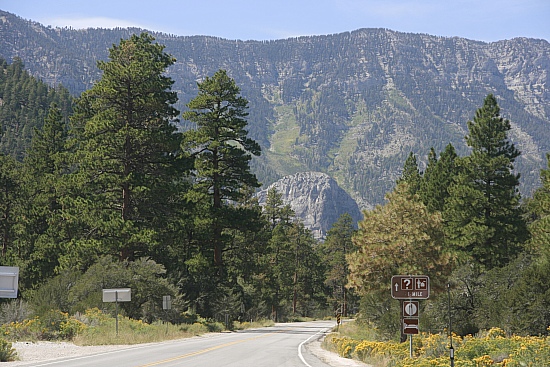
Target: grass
[[283, 140], [96, 328]]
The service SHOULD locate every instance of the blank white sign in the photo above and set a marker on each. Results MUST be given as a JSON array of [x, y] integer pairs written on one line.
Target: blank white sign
[[117, 295], [9, 278]]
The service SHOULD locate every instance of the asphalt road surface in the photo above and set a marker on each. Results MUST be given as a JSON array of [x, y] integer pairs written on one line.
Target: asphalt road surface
[[281, 346]]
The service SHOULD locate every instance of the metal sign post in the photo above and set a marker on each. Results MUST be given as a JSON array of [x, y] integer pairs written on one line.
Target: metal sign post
[[166, 305], [117, 295], [451, 349]]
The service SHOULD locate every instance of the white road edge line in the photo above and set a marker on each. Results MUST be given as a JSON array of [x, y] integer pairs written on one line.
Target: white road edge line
[[76, 358], [305, 341]]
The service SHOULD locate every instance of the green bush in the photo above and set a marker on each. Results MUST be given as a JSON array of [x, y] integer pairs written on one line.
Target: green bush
[[7, 353]]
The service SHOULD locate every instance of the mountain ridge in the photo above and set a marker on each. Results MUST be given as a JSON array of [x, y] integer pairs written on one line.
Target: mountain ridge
[[350, 104]]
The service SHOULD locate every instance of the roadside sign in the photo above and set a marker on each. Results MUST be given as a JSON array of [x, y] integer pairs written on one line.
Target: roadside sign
[[117, 295], [410, 308], [410, 326], [410, 287], [9, 279], [166, 303]]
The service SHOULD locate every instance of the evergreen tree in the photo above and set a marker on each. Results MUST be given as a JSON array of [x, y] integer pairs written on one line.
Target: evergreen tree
[[25, 103], [401, 237], [294, 273], [411, 174], [10, 199], [275, 211], [335, 248], [222, 153], [483, 215], [43, 168], [538, 208], [126, 164], [437, 178]]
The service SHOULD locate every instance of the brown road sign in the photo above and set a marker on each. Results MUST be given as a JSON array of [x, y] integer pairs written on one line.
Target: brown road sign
[[410, 326], [410, 287]]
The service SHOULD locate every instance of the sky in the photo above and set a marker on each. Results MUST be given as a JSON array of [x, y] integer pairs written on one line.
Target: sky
[[482, 20]]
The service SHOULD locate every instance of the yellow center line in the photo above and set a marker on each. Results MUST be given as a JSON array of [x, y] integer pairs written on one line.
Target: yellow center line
[[202, 351]]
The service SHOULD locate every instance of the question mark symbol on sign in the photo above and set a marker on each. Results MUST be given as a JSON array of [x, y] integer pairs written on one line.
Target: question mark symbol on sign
[[407, 283]]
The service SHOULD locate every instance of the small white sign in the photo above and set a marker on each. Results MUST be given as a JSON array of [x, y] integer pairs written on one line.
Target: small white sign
[[117, 295], [410, 308], [166, 303], [9, 279]]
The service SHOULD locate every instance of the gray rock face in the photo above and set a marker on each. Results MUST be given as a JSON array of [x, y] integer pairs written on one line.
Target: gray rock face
[[316, 199]]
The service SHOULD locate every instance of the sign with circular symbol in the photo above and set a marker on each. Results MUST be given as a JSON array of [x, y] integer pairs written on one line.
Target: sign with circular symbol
[[410, 308]]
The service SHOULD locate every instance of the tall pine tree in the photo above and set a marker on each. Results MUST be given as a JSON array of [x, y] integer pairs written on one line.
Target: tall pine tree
[[222, 152], [483, 214], [336, 247], [43, 167], [125, 159]]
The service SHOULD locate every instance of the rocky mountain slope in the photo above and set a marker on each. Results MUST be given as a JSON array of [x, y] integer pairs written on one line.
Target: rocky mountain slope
[[316, 199], [352, 105]]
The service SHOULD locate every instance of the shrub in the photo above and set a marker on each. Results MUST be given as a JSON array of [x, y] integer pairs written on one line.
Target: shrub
[[489, 348], [7, 353]]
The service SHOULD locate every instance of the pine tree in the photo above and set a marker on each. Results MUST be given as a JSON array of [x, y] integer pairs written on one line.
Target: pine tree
[[401, 237], [43, 169], [10, 200], [126, 147], [538, 208], [411, 174], [275, 211], [294, 272], [483, 215], [437, 178], [222, 152], [335, 248]]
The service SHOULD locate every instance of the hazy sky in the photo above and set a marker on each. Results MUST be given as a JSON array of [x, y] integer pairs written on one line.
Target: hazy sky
[[484, 20]]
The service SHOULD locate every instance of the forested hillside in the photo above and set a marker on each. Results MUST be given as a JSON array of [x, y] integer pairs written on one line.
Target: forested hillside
[[352, 105], [24, 102]]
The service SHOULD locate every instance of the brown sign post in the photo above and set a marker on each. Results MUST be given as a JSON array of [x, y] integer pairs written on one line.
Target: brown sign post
[[409, 289]]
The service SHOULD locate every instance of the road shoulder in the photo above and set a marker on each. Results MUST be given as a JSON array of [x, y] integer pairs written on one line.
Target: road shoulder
[[330, 358]]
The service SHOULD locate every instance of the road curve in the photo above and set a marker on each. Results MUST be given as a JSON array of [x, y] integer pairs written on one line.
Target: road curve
[[281, 345]]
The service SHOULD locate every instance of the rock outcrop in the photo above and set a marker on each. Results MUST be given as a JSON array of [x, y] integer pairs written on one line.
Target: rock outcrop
[[316, 199]]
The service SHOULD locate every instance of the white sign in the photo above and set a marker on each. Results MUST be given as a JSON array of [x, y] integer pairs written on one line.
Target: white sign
[[166, 303], [117, 295], [9, 278], [410, 308]]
